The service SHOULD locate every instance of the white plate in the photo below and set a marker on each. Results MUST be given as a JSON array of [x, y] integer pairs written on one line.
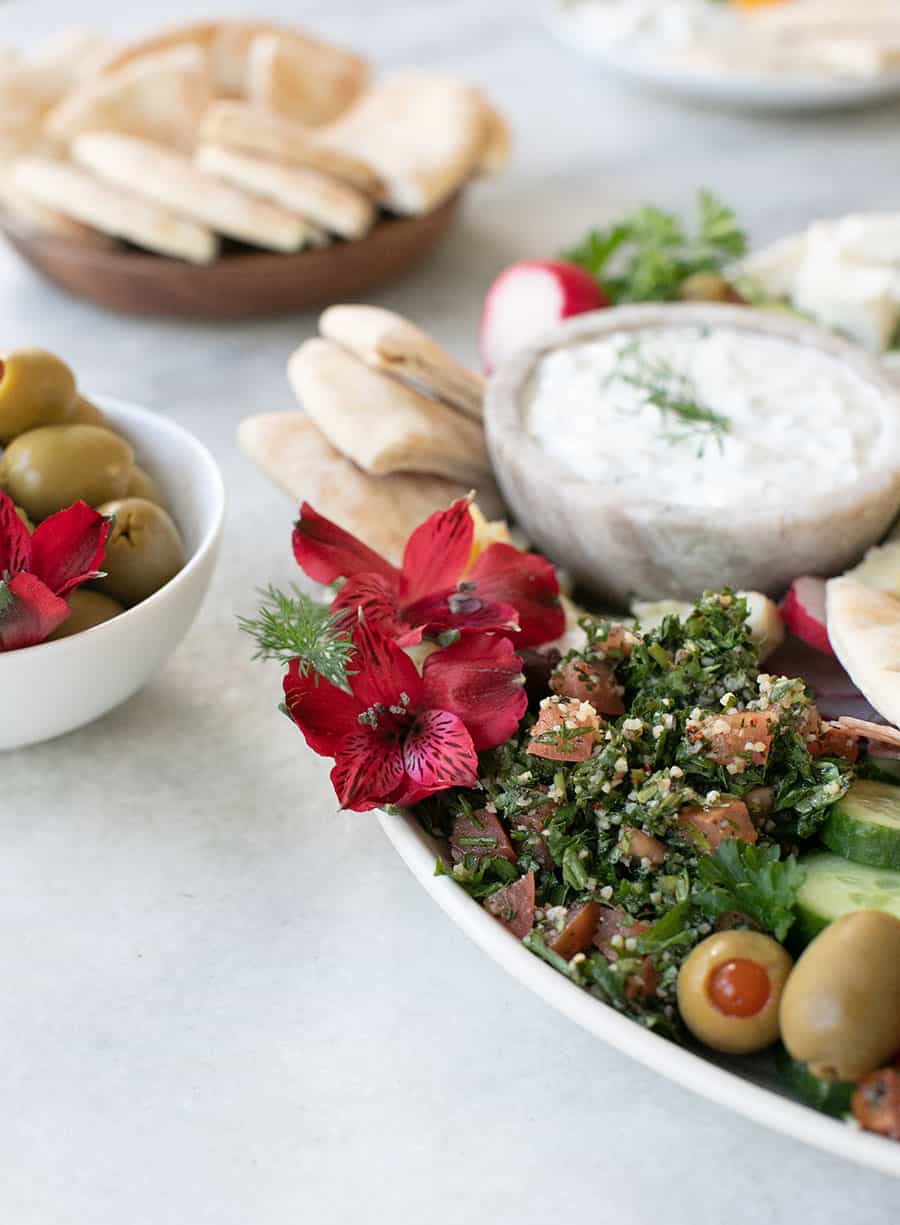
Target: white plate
[[744, 1091], [764, 92]]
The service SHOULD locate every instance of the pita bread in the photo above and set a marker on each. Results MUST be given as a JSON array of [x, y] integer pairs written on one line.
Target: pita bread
[[249, 129], [160, 97], [73, 55], [390, 343], [863, 618], [423, 135], [382, 425], [380, 510], [497, 147], [31, 215], [334, 206], [301, 79], [173, 181], [67, 189]]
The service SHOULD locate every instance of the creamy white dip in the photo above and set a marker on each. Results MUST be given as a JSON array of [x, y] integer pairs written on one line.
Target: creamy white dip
[[741, 416]]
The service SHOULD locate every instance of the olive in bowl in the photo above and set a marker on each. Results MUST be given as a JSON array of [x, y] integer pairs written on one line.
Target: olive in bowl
[[36, 388], [47, 469], [63, 684], [86, 609], [143, 552]]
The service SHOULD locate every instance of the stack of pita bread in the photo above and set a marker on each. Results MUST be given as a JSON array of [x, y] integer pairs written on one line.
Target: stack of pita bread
[[391, 428], [245, 131]]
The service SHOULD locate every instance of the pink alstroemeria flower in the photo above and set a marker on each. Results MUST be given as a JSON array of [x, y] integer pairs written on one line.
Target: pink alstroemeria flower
[[435, 592], [38, 569], [399, 736]]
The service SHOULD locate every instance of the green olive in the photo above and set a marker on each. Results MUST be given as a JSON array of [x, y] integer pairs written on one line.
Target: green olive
[[36, 389], [729, 989], [708, 287], [840, 1013], [142, 485], [83, 412], [88, 608], [47, 469], [24, 518], [144, 550]]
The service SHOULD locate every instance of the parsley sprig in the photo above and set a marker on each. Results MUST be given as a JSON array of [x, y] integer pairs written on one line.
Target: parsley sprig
[[750, 880], [293, 626], [648, 255]]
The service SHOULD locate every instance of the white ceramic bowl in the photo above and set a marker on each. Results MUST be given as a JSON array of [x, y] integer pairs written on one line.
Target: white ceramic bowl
[[58, 686], [647, 547]]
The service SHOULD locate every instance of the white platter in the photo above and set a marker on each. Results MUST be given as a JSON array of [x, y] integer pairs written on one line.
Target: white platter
[[745, 92], [747, 1094]]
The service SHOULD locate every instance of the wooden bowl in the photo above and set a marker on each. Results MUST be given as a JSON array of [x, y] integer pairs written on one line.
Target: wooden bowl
[[646, 547], [242, 283]]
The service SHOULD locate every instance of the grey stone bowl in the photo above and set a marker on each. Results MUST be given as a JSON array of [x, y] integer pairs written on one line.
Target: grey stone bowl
[[649, 548]]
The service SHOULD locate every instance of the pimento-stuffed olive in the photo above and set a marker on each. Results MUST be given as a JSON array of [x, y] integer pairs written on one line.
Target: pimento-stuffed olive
[[729, 990]]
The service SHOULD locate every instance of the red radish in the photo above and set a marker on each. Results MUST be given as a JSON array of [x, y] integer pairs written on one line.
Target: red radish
[[527, 299], [803, 610]]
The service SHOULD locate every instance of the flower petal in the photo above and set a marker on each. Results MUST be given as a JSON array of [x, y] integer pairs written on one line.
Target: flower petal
[[15, 541], [67, 549], [457, 610], [479, 679], [437, 552], [528, 582], [438, 753], [324, 713], [32, 613], [368, 769], [376, 597], [385, 675], [326, 552]]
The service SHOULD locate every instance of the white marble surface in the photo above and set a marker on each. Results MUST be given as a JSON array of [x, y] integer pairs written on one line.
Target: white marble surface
[[223, 1003]]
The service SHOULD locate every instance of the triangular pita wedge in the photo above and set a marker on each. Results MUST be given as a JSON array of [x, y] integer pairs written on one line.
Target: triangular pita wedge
[[160, 97], [497, 147], [391, 343], [250, 129], [382, 425], [173, 181], [75, 193], [381, 510], [423, 135], [302, 79], [335, 206], [864, 631]]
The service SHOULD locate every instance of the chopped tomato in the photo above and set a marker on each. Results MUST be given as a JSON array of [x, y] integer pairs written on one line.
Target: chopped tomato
[[709, 827], [876, 1102], [534, 821], [513, 905], [480, 835], [571, 728], [576, 935], [615, 922], [589, 682], [634, 844], [743, 735], [834, 741], [618, 643]]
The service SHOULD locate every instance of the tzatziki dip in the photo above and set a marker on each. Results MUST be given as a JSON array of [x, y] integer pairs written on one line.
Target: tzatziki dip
[[704, 417]]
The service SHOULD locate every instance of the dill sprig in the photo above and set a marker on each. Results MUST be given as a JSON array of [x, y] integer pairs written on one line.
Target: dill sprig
[[673, 393], [293, 626]]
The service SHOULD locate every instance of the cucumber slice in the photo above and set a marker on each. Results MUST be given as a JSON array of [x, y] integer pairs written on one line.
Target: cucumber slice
[[864, 826], [887, 769], [830, 1096], [835, 886]]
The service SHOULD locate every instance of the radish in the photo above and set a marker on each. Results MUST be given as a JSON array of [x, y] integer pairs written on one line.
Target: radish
[[803, 610], [526, 299]]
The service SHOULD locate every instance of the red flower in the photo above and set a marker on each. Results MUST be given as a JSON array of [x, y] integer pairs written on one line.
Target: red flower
[[398, 737], [37, 570], [435, 592]]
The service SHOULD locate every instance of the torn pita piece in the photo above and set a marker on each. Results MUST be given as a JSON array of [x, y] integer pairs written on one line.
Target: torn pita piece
[[69, 190], [32, 215], [301, 78], [424, 136], [497, 147], [336, 207], [382, 425], [160, 97], [380, 510], [173, 181], [864, 631], [250, 129], [390, 343]]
